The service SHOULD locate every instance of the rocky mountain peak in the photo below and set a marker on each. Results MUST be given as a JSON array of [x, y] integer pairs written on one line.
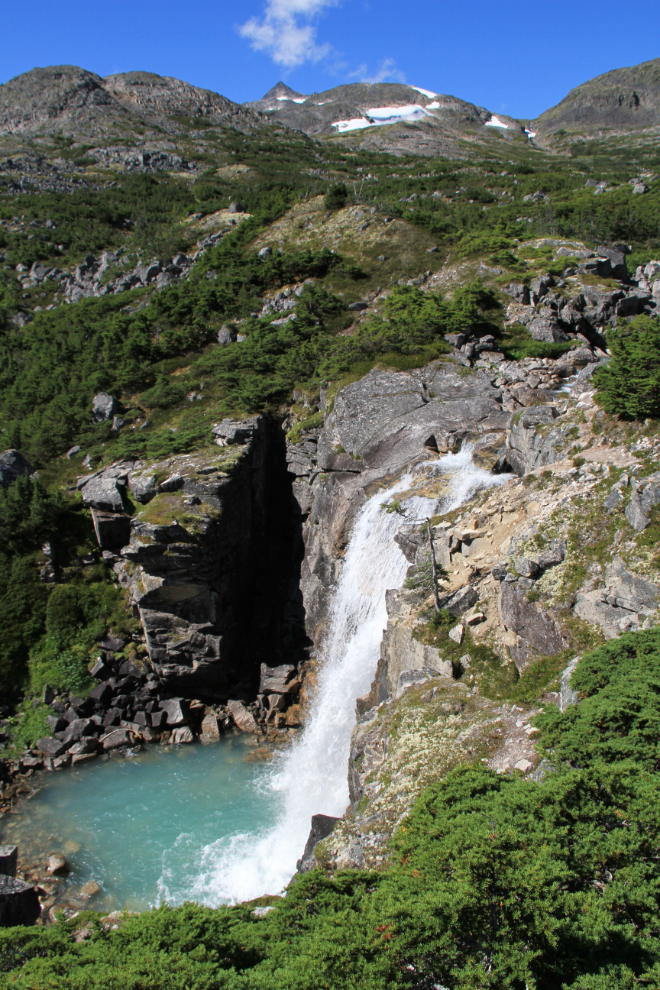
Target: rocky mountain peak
[[41, 98], [619, 101], [70, 101]]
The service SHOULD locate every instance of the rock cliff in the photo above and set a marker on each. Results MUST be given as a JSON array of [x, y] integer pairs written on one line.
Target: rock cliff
[[378, 427], [192, 541]]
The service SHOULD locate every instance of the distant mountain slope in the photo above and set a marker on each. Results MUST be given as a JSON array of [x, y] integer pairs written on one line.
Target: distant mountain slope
[[618, 102], [73, 102], [389, 117]]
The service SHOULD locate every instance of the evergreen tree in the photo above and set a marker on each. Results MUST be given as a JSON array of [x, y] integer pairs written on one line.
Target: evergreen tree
[[630, 384]]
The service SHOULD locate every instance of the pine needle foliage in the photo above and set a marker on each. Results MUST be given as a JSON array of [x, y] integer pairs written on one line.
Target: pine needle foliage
[[630, 383]]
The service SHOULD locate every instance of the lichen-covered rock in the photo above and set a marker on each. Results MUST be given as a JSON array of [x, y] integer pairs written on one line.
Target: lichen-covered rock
[[103, 494], [623, 605], [104, 406]]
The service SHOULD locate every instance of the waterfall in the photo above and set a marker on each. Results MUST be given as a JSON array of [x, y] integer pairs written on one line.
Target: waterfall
[[311, 777]]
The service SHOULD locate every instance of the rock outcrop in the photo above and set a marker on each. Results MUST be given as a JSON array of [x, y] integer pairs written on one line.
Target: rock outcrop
[[379, 426], [192, 557]]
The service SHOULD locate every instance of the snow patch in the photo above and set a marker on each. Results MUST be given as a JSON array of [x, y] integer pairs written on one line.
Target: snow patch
[[496, 122], [433, 106], [292, 99], [379, 116], [355, 124], [424, 92], [530, 134]]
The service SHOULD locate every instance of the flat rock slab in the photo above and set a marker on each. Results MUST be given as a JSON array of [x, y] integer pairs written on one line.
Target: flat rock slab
[[537, 630], [391, 415]]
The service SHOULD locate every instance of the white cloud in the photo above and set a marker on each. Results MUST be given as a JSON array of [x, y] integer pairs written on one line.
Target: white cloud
[[386, 71], [285, 31]]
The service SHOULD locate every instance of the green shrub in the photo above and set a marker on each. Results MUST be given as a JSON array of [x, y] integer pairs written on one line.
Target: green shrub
[[336, 197], [629, 385]]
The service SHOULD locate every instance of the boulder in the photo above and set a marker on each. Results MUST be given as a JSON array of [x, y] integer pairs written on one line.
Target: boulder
[[456, 634], [12, 465], [84, 747], [104, 406], [116, 738], [171, 484], [210, 727], [266, 252], [596, 266], [322, 827], [554, 555], [112, 644], [537, 630], [103, 494], [613, 500], [176, 710], [142, 486], [8, 860], [57, 864], [567, 696], [548, 330], [232, 431], [617, 258], [243, 719], [182, 735], [225, 336], [51, 747], [278, 680], [526, 568], [460, 601], [100, 670], [518, 291], [635, 514], [77, 729], [19, 903]]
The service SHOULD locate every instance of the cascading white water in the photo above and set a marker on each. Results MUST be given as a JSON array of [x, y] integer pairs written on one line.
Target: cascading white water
[[311, 777]]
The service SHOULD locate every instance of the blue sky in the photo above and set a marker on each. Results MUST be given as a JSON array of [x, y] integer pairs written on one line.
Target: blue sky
[[512, 57]]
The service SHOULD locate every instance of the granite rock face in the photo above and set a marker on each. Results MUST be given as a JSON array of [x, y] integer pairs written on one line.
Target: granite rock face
[[538, 633], [623, 605], [379, 426]]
